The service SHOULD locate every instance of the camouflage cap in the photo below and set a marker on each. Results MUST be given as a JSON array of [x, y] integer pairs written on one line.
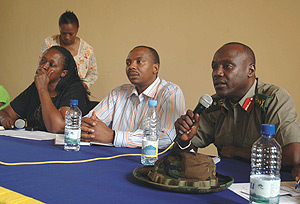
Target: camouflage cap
[[184, 172]]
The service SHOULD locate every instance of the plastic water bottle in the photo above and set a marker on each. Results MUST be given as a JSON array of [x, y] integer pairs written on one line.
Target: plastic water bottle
[[150, 134], [73, 127], [265, 167]]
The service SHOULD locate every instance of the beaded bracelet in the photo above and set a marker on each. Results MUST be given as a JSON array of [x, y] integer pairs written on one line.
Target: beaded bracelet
[[183, 148]]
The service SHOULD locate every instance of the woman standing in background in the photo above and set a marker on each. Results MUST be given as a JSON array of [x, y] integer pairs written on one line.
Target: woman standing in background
[[82, 52]]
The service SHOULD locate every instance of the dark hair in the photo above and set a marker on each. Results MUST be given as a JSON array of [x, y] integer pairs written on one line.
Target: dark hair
[[69, 79], [68, 64], [246, 48], [154, 53], [68, 18]]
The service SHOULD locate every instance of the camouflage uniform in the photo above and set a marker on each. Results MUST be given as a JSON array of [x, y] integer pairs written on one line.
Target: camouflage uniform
[[239, 124]]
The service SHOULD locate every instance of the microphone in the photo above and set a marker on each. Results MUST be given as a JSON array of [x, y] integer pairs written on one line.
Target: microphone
[[20, 123], [204, 102]]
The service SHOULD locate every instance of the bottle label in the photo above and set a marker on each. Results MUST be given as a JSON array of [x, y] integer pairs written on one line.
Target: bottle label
[[72, 136], [264, 189], [149, 148]]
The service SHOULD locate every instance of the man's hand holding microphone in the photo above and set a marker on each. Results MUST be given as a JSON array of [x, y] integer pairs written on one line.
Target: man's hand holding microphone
[[187, 125]]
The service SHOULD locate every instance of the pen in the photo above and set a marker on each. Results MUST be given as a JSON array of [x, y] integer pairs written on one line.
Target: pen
[[297, 184]]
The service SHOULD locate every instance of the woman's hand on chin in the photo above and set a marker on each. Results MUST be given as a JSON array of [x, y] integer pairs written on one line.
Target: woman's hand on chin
[[41, 79]]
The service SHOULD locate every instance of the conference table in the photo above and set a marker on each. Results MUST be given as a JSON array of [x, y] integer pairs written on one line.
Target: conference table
[[103, 181]]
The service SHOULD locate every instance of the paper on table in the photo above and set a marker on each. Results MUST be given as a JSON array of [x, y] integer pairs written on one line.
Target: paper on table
[[59, 140], [216, 159], [25, 134], [288, 193]]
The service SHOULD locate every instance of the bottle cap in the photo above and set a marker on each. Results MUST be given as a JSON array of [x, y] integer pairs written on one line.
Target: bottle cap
[[152, 103], [74, 102], [267, 129]]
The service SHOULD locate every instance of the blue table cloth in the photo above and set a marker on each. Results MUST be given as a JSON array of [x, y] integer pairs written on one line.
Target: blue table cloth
[[105, 181]]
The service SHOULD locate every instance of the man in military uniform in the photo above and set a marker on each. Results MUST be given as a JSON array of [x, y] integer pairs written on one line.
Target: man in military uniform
[[241, 104]]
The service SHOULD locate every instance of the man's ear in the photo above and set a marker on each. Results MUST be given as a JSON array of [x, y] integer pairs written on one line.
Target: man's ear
[[64, 73], [251, 71], [155, 68]]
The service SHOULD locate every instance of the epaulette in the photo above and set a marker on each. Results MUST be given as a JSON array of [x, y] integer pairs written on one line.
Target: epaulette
[[261, 100], [216, 104]]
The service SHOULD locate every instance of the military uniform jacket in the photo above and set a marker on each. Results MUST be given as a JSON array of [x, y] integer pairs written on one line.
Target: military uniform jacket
[[239, 124]]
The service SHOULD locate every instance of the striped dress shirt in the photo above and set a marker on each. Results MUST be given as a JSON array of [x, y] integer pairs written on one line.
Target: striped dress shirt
[[123, 111]]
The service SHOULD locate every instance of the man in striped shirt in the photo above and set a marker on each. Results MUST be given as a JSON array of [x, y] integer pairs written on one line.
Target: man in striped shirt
[[118, 118]]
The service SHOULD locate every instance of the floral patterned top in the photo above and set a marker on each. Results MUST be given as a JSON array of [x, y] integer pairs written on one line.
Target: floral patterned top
[[85, 59]]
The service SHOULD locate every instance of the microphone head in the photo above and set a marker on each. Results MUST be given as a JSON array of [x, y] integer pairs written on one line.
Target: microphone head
[[20, 123], [206, 100]]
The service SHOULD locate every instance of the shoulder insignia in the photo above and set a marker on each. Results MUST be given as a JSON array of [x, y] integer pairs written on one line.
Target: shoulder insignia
[[216, 105], [261, 100]]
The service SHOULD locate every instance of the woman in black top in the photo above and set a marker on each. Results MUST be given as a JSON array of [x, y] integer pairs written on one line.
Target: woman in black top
[[44, 103]]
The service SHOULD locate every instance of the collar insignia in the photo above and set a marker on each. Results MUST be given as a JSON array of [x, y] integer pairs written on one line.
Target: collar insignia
[[248, 104]]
